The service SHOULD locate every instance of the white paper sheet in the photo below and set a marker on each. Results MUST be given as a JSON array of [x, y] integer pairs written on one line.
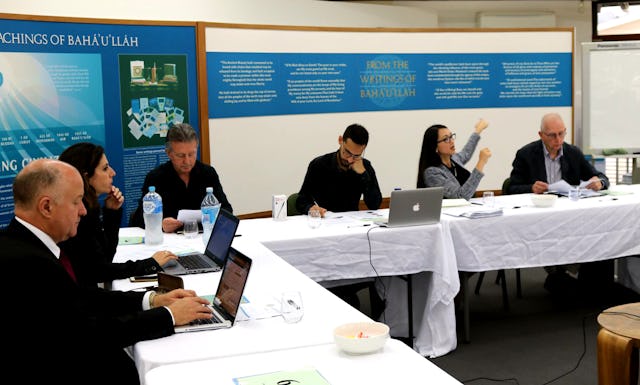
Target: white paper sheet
[[185, 215]]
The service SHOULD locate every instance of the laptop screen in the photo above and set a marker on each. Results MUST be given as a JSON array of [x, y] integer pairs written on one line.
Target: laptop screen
[[420, 206], [232, 282], [222, 236]]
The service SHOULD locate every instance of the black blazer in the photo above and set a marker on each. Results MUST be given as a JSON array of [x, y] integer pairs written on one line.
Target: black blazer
[[528, 167], [100, 238], [62, 332]]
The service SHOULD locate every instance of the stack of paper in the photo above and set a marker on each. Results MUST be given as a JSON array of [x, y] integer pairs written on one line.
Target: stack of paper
[[474, 211], [562, 188], [483, 213]]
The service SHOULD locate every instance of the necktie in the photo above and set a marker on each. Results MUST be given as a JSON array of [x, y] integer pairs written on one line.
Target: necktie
[[64, 259]]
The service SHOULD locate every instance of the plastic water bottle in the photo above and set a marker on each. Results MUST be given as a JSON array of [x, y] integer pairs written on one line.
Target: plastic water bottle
[[152, 212], [209, 208]]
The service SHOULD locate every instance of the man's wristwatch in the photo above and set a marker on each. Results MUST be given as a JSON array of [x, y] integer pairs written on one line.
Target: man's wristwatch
[[152, 297]]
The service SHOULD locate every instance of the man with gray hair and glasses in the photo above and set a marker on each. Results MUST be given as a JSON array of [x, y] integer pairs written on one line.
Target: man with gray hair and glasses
[[546, 161], [550, 159]]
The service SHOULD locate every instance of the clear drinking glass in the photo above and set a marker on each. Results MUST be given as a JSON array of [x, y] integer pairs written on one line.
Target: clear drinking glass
[[190, 229], [488, 199], [574, 194]]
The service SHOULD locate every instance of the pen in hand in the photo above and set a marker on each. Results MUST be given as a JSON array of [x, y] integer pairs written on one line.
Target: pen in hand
[[322, 210]]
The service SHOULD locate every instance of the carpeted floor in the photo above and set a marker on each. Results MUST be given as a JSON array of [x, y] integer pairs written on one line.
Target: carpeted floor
[[539, 339]]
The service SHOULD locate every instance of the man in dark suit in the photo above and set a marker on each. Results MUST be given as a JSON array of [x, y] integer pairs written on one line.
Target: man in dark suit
[[59, 332], [546, 161]]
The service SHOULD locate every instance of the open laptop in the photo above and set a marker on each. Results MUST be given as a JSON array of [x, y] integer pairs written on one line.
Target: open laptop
[[226, 302], [414, 207], [222, 234]]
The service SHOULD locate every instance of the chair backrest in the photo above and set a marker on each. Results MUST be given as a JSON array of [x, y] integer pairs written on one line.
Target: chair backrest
[[505, 186], [291, 205]]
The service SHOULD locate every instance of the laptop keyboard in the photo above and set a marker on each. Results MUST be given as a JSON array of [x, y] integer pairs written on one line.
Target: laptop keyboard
[[215, 320], [191, 261]]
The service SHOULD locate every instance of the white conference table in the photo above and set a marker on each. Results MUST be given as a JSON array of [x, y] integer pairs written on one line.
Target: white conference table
[[269, 276], [396, 363], [343, 249], [590, 229]]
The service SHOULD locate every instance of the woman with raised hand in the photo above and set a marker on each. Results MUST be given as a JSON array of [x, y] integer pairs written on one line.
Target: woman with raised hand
[[441, 166]]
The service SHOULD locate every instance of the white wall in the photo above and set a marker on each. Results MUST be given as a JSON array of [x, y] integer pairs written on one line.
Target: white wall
[[411, 14]]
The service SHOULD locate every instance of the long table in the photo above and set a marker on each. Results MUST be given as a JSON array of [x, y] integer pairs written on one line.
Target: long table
[[524, 236], [269, 276], [396, 363], [587, 230], [343, 248]]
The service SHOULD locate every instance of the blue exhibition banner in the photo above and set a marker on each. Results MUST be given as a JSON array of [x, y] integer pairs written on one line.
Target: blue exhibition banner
[[253, 84], [116, 85]]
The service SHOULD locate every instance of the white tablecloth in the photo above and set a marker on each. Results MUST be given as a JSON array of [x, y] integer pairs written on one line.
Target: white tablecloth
[[269, 276], [587, 230], [394, 364], [343, 249]]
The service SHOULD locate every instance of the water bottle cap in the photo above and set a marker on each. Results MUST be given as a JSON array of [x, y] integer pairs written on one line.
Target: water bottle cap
[[152, 188], [209, 189]]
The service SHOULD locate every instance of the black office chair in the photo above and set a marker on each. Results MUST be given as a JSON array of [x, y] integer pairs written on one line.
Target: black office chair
[[501, 278], [291, 205]]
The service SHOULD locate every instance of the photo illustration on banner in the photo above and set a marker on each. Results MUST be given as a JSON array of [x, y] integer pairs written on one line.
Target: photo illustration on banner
[[154, 95], [257, 84], [62, 83]]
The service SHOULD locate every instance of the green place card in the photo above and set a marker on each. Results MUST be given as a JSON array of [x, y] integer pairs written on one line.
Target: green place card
[[307, 376]]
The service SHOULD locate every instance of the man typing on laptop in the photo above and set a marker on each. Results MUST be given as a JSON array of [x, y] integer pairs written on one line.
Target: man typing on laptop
[[77, 335]]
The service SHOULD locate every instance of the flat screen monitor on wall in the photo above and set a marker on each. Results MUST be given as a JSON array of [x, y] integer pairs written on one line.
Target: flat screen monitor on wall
[[615, 20]]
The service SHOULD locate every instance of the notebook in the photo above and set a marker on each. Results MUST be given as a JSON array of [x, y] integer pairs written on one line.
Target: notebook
[[226, 302], [224, 230], [414, 207]]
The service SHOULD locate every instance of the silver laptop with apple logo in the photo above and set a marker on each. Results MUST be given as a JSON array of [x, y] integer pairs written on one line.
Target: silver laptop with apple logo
[[414, 207]]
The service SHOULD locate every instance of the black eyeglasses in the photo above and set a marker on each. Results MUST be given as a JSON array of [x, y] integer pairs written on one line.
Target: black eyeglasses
[[348, 154], [448, 139]]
